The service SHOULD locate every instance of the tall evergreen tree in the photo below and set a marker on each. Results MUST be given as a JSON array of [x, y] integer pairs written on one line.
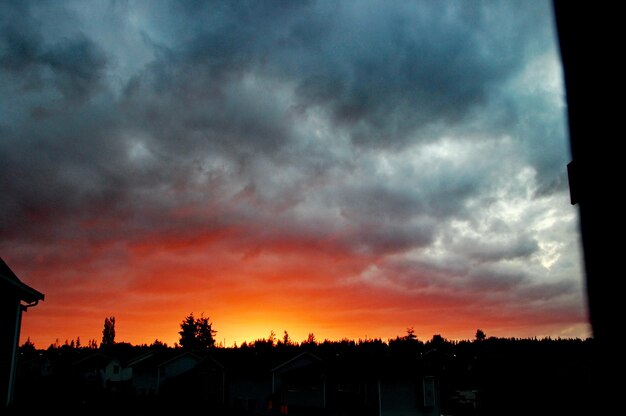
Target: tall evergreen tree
[[188, 333], [205, 333], [196, 333], [108, 333]]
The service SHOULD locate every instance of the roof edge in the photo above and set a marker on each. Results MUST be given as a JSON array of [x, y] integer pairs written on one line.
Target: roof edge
[[26, 293]]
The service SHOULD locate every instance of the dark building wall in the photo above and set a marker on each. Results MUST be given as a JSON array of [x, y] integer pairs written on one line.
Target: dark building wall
[[399, 397], [248, 392], [9, 334]]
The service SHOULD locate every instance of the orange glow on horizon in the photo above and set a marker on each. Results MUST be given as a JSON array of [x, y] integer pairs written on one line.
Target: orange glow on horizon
[[300, 287], [246, 306]]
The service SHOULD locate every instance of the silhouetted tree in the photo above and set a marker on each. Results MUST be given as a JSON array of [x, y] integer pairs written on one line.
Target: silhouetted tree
[[108, 333], [437, 342], [310, 340], [158, 344], [286, 339], [480, 335], [27, 349], [78, 342], [410, 334], [272, 338], [262, 344], [188, 333], [205, 334], [196, 333]]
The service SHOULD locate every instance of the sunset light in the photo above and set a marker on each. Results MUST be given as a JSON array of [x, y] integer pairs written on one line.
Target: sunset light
[[346, 169]]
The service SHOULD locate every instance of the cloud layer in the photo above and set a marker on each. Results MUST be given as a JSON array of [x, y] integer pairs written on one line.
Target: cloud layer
[[334, 152]]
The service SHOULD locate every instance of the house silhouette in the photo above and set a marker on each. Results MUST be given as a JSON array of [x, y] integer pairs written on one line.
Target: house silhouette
[[15, 298]]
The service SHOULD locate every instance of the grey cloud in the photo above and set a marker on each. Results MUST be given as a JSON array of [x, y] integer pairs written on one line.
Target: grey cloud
[[519, 246], [380, 203], [391, 72], [20, 42], [385, 77], [485, 285], [72, 68], [20, 49], [337, 127], [549, 290], [487, 280], [380, 73], [78, 65], [385, 239]]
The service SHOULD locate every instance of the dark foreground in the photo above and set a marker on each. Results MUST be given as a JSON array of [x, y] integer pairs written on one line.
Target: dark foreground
[[368, 378]]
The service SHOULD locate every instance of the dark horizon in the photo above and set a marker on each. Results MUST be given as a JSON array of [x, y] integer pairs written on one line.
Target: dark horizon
[[486, 376], [278, 341]]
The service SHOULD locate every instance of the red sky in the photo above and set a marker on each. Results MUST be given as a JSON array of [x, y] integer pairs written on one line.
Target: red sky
[[301, 288], [325, 167]]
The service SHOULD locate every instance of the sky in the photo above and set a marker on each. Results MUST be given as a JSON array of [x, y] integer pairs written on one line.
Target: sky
[[346, 168]]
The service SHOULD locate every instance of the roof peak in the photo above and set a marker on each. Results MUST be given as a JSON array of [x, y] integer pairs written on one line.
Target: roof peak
[[22, 290]]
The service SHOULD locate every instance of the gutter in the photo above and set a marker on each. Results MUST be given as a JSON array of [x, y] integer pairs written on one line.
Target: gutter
[[29, 305]]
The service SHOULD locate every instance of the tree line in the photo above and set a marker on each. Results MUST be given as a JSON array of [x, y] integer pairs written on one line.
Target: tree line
[[482, 375], [197, 334]]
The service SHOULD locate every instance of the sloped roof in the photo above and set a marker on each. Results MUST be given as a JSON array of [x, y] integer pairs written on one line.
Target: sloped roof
[[179, 356], [155, 359], [141, 360], [23, 291], [91, 361], [210, 361], [304, 359]]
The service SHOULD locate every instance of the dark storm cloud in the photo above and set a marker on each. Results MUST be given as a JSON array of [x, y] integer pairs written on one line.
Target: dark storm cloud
[[77, 66], [389, 72], [49, 152], [274, 117], [415, 148], [383, 74], [484, 249], [20, 40], [487, 284], [72, 68], [435, 189]]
